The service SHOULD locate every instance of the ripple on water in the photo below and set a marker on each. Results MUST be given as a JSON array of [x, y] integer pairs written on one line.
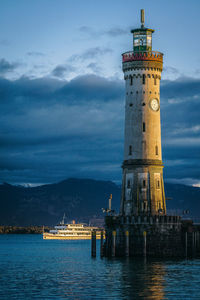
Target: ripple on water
[[31, 268]]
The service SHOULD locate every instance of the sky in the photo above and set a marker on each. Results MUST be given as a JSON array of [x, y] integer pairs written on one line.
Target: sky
[[62, 91]]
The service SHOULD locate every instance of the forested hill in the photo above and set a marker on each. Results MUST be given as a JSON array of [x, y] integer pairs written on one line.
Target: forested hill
[[79, 199]]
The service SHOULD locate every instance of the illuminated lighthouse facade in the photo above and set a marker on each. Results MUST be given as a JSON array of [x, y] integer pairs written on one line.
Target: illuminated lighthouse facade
[[142, 184]]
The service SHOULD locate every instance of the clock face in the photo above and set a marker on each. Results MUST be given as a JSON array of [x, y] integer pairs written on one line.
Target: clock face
[[154, 104]]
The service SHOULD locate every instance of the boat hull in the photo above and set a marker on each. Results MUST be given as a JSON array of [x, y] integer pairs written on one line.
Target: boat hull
[[48, 236]]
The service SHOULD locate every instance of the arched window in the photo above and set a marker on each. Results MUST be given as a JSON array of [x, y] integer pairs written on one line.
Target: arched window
[[130, 150], [143, 127], [144, 183], [156, 150], [131, 80], [145, 205], [143, 79], [155, 80], [158, 184]]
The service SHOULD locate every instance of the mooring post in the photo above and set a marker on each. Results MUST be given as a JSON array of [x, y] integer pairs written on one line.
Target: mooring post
[[93, 244], [197, 240], [113, 243], [186, 244], [145, 243], [101, 245], [193, 243], [127, 243]]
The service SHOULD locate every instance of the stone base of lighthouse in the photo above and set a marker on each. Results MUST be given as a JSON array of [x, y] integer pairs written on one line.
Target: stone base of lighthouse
[[142, 188], [151, 236]]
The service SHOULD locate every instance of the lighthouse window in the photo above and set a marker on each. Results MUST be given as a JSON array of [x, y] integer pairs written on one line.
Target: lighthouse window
[[136, 40], [130, 150], [156, 150], [143, 79], [139, 40], [158, 184], [149, 40], [143, 127]]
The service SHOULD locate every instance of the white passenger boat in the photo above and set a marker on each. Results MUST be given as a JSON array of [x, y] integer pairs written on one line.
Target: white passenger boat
[[72, 231]]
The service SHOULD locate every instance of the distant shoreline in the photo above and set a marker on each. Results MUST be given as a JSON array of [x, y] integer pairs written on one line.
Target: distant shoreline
[[22, 230]]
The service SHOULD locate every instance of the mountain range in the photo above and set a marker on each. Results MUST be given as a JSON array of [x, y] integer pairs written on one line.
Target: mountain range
[[79, 199]]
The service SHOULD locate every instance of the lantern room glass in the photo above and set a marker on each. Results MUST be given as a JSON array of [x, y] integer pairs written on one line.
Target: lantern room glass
[[142, 41]]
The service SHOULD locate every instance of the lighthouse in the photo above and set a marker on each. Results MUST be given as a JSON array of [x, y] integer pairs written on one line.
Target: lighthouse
[[143, 227], [142, 183]]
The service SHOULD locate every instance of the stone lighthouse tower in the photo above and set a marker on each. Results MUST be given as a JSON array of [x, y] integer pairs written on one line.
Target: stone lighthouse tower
[[142, 184], [143, 226]]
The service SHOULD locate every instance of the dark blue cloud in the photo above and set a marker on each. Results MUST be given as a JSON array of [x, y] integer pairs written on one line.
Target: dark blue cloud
[[6, 66], [61, 70], [181, 88], [52, 129], [91, 88]]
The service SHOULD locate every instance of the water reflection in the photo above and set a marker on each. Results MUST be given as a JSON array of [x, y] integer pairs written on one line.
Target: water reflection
[[138, 279], [31, 268]]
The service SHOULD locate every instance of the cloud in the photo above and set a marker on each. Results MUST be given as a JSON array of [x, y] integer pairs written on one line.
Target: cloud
[[88, 30], [91, 53], [6, 66], [186, 181], [116, 31], [52, 129], [171, 70], [180, 100], [91, 88], [111, 32], [61, 70], [94, 67], [50, 124], [182, 88], [35, 53], [96, 51]]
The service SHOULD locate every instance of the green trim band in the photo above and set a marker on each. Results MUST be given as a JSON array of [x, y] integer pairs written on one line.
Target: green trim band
[[142, 162]]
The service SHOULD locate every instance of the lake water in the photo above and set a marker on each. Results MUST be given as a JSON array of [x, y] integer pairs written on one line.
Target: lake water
[[32, 268]]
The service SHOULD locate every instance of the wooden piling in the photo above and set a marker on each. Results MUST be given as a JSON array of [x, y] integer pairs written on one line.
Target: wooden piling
[[127, 243], [145, 243], [197, 240], [101, 245], [113, 243], [186, 245], [93, 244], [194, 243]]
